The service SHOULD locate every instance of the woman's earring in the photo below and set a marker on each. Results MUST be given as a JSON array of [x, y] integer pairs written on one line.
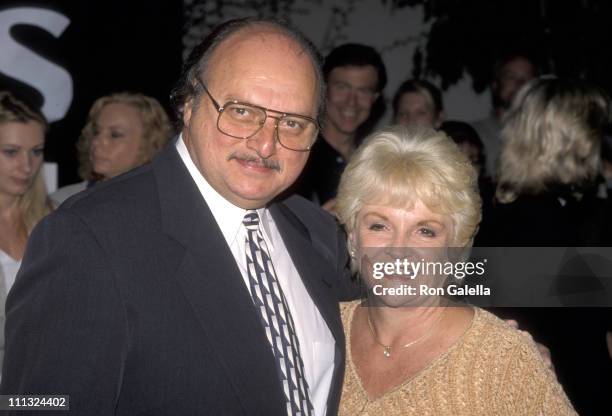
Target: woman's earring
[[353, 254]]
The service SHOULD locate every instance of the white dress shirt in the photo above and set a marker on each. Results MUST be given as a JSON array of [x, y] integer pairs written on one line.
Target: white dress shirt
[[317, 344], [8, 269]]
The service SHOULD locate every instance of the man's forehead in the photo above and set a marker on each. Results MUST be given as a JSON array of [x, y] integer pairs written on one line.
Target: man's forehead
[[264, 38], [363, 72], [518, 65], [254, 44]]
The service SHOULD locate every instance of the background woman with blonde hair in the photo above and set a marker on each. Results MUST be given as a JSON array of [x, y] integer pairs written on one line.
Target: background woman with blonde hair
[[547, 197], [418, 102], [123, 131], [23, 197]]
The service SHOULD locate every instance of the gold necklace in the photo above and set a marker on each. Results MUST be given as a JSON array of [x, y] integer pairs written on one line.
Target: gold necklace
[[387, 348]]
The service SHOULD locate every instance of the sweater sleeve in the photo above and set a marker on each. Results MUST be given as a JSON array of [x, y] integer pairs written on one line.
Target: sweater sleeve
[[530, 387]]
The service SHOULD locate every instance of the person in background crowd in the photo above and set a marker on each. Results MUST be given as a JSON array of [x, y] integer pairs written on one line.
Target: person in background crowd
[[23, 196], [470, 144], [468, 141], [418, 102], [412, 189], [606, 166], [123, 131], [510, 73], [547, 197], [356, 77]]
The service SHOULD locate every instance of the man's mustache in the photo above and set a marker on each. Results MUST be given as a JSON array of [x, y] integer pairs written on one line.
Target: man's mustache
[[269, 164]]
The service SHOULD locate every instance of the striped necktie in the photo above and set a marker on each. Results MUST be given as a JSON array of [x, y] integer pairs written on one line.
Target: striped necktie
[[276, 319]]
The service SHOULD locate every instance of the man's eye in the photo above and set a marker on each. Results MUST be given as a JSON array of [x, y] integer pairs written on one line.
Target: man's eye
[[342, 86], [38, 152], [293, 124], [365, 92], [10, 152], [240, 112]]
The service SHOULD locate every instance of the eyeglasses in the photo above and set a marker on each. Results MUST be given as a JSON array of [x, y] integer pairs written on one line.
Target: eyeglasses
[[243, 121]]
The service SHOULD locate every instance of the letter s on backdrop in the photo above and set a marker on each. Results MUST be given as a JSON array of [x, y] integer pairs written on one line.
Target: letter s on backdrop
[[20, 63]]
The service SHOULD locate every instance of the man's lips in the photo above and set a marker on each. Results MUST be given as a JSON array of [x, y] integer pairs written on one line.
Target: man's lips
[[255, 163]]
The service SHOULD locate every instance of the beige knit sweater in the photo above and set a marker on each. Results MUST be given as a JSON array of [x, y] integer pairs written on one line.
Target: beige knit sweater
[[491, 370]]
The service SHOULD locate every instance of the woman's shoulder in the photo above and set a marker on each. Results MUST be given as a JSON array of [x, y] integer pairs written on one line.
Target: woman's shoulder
[[499, 333], [498, 345], [510, 360]]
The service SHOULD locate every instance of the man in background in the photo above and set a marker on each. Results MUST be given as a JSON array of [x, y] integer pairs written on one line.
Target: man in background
[[510, 74], [356, 76]]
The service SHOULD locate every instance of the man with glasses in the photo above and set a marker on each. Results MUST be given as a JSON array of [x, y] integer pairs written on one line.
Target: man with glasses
[[190, 285], [356, 76]]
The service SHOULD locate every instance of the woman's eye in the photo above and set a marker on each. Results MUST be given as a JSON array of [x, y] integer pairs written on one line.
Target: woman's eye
[[376, 227], [427, 232], [116, 134]]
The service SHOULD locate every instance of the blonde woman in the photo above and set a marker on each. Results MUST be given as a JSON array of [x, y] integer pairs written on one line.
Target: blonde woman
[[547, 197], [23, 197], [411, 190], [418, 102], [123, 131]]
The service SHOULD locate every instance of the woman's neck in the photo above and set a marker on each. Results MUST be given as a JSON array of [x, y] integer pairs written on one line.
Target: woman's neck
[[401, 325], [13, 237], [8, 207]]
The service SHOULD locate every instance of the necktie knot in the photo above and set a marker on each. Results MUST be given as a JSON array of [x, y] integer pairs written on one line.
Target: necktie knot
[[251, 220]]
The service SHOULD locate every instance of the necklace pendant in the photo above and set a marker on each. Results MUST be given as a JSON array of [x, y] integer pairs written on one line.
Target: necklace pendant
[[387, 352]]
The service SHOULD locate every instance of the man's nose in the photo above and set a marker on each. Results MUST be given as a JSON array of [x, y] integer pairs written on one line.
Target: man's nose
[[351, 97], [264, 142]]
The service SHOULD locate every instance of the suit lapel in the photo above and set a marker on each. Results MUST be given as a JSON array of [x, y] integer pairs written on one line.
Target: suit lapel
[[316, 275], [312, 267], [213, 285]]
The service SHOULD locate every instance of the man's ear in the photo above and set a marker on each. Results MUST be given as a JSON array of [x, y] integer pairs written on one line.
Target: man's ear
[[187, 110]]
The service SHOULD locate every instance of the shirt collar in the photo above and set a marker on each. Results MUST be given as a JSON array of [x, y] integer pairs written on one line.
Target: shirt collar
[[227, 215]]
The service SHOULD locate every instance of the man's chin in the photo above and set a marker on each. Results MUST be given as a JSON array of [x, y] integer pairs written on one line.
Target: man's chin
[[346, 127], [251, 198]]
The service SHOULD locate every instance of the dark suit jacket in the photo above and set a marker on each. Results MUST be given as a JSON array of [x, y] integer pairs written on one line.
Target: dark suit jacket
[[130, 301]]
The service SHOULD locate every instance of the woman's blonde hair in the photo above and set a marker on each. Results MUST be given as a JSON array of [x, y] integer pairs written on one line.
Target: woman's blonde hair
[[402, 165], [156, 128], [552, 137], [34, 204]]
